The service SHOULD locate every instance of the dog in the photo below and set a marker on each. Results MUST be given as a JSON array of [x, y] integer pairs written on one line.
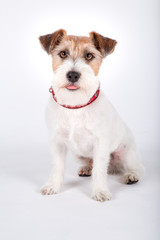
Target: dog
[[81, 119]]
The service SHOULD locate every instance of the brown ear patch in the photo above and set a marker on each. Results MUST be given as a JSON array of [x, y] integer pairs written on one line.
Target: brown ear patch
[[49, 41], [103, 44]]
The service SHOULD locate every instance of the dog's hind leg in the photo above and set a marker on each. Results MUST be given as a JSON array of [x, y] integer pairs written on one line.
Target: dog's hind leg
[[133, 169]]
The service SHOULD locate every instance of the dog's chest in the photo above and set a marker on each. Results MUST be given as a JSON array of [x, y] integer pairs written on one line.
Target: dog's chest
[[77, 134]]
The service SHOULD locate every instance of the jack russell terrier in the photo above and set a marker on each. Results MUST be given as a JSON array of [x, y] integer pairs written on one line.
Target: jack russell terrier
[[81, 119]]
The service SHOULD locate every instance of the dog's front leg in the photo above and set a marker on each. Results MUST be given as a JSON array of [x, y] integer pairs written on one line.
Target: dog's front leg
[[100, 190], [55, 181]]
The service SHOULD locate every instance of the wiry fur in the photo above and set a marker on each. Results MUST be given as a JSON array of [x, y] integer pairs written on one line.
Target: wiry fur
[[95, 134]]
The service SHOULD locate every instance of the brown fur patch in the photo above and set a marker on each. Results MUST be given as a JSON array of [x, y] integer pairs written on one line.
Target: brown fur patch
[[49, 41], [103, 44]]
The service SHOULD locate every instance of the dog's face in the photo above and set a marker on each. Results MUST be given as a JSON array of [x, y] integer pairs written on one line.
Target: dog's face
[[76, 62]]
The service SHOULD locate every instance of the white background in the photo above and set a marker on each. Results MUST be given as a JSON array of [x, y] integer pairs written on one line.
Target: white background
[[129, 78]]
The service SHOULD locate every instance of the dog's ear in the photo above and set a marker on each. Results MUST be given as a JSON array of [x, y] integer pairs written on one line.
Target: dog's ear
[[49, 41], [103, 44]]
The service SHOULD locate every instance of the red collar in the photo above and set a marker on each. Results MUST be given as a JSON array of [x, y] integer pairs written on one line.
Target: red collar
[[92, 99]]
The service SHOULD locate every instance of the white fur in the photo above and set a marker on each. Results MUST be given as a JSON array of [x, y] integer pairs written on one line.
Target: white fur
[[93, 132], [88, 83]]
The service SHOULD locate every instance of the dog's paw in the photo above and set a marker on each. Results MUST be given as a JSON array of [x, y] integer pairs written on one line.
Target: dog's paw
[[85, 171], [102, 196], [131, 178], [49, 189]]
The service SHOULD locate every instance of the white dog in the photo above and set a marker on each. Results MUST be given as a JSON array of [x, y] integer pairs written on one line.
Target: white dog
[[81, 119]]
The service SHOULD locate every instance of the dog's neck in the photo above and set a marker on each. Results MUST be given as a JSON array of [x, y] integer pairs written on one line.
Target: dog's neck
[[92, 99]]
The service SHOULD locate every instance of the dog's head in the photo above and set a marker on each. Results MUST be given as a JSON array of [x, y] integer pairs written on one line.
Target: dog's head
[[76, 62]]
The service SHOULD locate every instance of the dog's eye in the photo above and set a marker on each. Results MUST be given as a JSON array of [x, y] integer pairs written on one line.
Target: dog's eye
[[63, 54], [89, 56]]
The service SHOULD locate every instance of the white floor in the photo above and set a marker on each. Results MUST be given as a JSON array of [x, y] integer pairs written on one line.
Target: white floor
[[26, 214]]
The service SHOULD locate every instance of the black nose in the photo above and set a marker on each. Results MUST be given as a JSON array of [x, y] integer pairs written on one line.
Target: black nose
[[73, 76]]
